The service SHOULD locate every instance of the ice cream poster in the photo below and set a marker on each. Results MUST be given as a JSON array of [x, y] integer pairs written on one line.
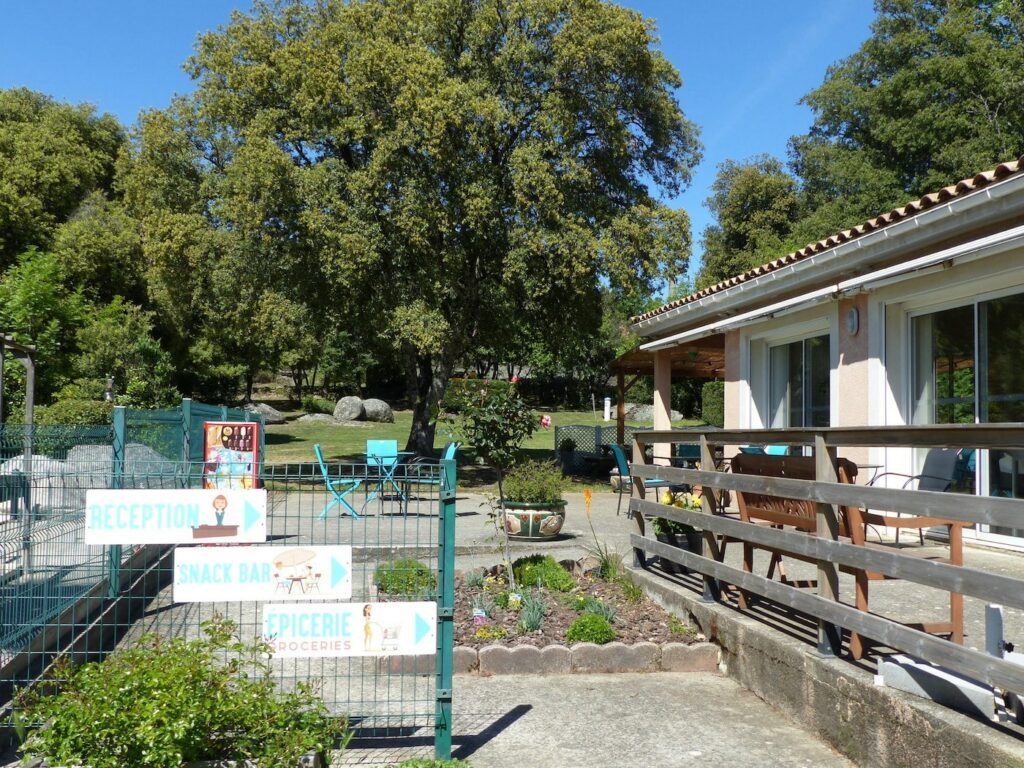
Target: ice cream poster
[[231, 452]]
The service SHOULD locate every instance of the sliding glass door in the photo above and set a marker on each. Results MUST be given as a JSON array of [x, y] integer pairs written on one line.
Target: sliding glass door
[[799, 383], [967, 369]]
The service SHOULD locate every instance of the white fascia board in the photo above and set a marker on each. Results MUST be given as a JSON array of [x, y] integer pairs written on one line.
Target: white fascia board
[[975, 249], [934, 223]]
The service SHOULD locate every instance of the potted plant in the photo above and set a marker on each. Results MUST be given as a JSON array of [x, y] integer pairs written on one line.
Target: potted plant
[[534, 507], [676, 534]]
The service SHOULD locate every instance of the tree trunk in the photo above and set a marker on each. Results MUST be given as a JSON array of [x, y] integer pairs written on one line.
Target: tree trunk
[[430, 384], [248, 386]]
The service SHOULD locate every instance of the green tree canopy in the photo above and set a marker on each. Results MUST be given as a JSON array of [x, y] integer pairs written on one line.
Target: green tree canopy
[[755, 204], [422, 171], [932, 96], [51, 156]]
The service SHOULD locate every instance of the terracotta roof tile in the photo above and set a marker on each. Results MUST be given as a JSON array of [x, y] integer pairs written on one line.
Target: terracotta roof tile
[[923, 203]]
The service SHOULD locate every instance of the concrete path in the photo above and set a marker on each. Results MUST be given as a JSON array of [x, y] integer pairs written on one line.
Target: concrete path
[[661, 720]]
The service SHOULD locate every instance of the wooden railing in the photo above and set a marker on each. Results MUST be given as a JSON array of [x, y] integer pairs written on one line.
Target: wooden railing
[[826, 549]]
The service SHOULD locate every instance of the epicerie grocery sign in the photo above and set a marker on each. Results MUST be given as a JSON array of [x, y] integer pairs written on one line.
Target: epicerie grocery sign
[[296, 630], [179, 516], [217, 574]]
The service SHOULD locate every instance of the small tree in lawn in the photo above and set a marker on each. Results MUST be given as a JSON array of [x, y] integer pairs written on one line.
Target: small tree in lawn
[[496, 423]]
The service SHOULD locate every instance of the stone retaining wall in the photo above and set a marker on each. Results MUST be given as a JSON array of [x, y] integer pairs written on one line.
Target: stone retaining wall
[[834, 698]]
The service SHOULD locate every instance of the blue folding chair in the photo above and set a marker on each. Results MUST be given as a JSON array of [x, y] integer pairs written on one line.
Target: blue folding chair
[[339, 487], [382, 458], [626, 477]]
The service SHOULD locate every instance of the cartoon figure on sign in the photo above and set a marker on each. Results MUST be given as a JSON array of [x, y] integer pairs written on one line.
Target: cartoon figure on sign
[[367, 628], [220, 504]]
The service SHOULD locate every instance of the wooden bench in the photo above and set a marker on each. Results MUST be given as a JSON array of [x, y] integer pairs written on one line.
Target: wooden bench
[[854, 524]]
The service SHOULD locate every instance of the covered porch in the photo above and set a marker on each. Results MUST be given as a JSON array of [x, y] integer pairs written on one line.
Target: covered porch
[[702, 358]]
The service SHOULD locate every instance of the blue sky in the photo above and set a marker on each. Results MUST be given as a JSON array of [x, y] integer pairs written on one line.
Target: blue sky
[[745, 63]]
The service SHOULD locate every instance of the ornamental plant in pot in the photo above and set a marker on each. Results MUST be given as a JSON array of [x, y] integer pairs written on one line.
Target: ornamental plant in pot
[[676, 534], [534, 507]]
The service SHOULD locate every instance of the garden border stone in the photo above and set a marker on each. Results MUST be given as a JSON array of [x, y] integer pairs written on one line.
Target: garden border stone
[[611, 658]]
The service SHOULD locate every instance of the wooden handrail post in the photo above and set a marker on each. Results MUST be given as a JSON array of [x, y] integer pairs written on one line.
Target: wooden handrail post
[[710, 502], [639, 457], [827, 526]]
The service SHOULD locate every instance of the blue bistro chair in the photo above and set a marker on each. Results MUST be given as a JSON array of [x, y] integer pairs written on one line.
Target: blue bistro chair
[[425, 470], [382, 459], [625, 476], [338, 487]]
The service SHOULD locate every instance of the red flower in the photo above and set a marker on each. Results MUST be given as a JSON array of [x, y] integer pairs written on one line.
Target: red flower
[[514, 380]]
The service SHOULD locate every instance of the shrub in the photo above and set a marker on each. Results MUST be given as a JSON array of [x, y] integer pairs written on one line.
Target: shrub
[[474, 579], [405, 577], [590, 628], [163, 703], [534, 481], [75, 413], [311, 404], [712, 399], [542, 571], [432, 762], [460, 393]]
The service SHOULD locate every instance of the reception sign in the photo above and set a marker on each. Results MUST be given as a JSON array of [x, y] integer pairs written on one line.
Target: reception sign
[[185, 516], [217, 574], [350, 629]]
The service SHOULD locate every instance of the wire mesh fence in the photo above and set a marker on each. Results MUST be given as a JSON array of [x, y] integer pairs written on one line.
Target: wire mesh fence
[[59, 595]]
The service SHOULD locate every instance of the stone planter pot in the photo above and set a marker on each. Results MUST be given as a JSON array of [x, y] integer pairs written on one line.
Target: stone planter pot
[[691, 542], [534, 521]]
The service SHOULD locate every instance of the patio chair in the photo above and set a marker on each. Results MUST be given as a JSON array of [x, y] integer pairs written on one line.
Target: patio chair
[[338, 487], [940, 469], [382, 459], [626, 477], [424, 470]]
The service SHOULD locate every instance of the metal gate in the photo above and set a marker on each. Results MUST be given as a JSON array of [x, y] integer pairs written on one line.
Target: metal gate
[[59, 596]]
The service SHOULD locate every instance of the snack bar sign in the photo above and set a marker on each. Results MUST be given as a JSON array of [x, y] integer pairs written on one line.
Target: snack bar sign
[[175, 516], [218, 574], [350, 629]]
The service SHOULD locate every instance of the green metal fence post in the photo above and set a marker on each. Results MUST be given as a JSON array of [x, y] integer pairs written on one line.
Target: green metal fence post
[[120, 423], [223, 413], [186, 429], [445, 611]]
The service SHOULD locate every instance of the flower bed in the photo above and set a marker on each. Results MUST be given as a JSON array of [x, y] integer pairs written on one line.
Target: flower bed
[[635, 618]]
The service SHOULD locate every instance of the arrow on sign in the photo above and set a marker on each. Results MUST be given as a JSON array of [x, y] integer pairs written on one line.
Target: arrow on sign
[[422, 628], [252, 516], [338, 573]]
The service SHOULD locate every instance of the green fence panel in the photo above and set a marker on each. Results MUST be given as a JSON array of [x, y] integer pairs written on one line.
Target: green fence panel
[[58, 595]]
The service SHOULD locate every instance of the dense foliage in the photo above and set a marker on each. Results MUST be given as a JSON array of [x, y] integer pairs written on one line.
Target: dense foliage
[[590, 628], [534, 481], [542, 571], [929, 98], [405, 577], [164, 703]]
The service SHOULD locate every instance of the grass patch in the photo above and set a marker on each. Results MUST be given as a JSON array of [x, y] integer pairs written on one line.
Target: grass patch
[[293, 442]]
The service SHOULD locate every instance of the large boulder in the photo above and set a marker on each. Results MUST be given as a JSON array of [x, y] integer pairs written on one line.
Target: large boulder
[[645, 412], [325, 418], [378, 410], [349, 409], [270, 415]]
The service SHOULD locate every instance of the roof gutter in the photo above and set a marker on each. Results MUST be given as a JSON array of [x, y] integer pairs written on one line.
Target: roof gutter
[[975, 249], [836, 263]]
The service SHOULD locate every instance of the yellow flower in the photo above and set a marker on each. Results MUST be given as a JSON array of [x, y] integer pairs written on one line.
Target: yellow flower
[[588, 496]]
